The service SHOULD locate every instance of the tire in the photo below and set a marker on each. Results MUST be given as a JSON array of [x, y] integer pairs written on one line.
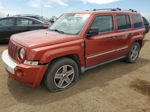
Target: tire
[[61, 74], [133, 53]]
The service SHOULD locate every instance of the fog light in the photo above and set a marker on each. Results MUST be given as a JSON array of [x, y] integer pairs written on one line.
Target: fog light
[[31, 62]]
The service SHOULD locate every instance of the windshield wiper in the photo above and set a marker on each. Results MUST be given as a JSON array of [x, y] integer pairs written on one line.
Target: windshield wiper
[[56, 30]]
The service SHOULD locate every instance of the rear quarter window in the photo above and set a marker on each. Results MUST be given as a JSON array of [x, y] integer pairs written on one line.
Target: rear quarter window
[[137, 21], [36, 22]]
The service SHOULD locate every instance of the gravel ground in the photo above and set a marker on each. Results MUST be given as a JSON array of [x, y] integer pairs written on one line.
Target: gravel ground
[[115, 87]]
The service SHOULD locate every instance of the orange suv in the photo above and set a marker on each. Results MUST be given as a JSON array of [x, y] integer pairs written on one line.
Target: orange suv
[[76, 42]]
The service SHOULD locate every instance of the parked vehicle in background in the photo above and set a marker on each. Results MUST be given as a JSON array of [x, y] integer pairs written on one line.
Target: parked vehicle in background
[[76, 42], [12, 25], [41, 18]]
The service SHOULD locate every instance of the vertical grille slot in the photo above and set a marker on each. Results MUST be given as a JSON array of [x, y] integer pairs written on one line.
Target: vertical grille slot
[[12, 49]]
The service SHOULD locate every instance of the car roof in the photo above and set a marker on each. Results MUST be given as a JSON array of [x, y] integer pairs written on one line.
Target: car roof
[[23, 17], [28, 15], [37, 17], [104, 12]]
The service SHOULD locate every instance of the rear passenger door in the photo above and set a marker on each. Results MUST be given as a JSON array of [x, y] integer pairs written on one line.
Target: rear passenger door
[[123, 33], [24, 24]]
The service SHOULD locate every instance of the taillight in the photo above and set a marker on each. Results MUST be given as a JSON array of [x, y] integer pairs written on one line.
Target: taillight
[[46, 26]]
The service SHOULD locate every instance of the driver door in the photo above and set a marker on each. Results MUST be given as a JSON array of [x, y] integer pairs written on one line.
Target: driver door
[[101, 47]]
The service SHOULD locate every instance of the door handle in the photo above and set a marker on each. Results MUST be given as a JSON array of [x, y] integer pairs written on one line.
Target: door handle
[[130, 35], [112, 38]]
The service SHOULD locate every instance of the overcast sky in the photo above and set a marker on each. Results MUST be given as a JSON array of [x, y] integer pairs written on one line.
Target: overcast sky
[[50, 8]]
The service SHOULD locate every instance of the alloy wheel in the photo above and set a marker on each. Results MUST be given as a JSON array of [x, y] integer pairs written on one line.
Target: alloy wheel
[[64, 76], [134, 52]]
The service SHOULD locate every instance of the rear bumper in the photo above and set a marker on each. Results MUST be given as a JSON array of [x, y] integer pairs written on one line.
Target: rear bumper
[[31, 75]]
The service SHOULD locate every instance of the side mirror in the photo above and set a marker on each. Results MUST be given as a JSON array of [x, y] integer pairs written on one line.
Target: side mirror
[[92, 32]]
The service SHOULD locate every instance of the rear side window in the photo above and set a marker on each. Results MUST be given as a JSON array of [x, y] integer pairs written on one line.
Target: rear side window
[[123, 22], [23, 21], [137, 21], [36, 22], [103, 23]]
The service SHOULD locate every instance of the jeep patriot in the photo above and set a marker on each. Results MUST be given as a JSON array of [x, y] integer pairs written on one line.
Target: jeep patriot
[[76, 42]]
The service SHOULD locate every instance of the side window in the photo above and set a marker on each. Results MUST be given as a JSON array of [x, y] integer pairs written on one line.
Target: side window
[[137, 21], [103, 23], [23, 21], [123, 22], [7, 22], [36, 22]]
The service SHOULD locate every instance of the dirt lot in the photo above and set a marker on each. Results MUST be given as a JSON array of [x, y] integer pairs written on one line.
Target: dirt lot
[[115, 87]]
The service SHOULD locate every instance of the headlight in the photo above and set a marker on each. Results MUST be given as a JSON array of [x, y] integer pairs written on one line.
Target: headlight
[[22, 53]]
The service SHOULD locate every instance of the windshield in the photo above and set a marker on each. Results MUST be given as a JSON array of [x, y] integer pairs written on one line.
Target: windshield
[[70, 23]]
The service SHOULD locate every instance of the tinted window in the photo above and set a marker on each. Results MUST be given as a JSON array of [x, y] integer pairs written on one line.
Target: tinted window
[[37, 22], [7, 22], [123, 22], [103, 24], [137, 21], [24, 22]]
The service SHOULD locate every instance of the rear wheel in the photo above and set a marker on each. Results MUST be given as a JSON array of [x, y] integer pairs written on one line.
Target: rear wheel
[[61, 74], [133, 53]]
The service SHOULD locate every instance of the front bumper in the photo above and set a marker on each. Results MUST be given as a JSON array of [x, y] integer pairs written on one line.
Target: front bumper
[[31, 75]]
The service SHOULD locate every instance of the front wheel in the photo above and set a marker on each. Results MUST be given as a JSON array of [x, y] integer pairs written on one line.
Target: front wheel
[[133, 53], [61, 74]]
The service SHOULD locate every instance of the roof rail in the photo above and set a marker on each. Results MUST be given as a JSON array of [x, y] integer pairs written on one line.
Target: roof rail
[[132, 10], [113, 9]]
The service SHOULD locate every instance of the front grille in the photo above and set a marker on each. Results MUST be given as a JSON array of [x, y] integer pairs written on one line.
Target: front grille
[[13, 50]]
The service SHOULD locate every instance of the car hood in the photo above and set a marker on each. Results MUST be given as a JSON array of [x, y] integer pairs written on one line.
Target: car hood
[[39, 38]]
